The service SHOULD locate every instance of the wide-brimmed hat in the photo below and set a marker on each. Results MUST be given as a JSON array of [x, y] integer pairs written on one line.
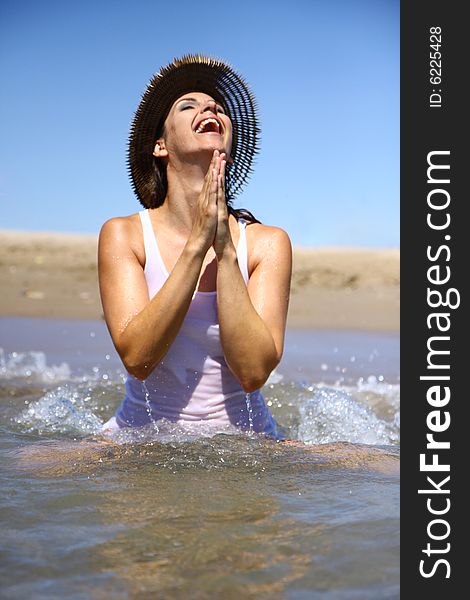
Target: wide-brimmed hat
[[193, 73]]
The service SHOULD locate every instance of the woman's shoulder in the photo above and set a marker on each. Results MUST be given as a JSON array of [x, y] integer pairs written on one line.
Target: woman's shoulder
[[267, 239], [261, 233], [124, 222], [120, 226], [122, 233]]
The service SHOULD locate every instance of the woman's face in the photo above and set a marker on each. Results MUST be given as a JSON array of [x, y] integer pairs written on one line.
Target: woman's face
[[197, 123]]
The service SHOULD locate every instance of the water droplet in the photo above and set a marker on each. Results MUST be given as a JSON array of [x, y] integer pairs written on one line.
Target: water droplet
[[148, 405], [250, 410]]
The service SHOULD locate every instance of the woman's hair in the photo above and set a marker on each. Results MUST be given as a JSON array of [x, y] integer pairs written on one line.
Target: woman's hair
[[161, 188]]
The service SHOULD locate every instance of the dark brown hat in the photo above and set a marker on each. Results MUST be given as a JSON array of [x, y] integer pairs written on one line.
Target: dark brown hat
[[193, 73]]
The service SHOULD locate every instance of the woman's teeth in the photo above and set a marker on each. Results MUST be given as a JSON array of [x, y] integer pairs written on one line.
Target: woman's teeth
[[205, 123]]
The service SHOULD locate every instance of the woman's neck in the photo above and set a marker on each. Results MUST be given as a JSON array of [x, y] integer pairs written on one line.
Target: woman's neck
[[184, 187]]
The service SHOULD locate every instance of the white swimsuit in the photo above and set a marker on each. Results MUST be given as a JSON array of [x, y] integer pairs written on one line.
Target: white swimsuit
[[193, 381]]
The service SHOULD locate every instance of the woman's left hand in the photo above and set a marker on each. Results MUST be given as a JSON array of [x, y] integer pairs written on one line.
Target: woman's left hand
[[223, 238]]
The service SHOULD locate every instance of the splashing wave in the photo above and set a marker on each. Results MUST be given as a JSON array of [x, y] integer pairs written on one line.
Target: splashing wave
[[366, 413]]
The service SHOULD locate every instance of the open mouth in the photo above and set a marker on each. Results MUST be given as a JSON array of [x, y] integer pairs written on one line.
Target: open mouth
[[209, 125]]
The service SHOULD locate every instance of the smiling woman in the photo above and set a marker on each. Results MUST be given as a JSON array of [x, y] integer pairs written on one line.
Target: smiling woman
[[218, 124], [195, 293]]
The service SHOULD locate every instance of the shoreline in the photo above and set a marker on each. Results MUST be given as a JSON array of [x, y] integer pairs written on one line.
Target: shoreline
[[54, 275]]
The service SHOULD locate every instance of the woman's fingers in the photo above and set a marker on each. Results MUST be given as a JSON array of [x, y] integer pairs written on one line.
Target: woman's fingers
[[222, 176], [222, 237], [223, 165], [205, 225], [214, 184], [221, 186], [222, 212], [207, 189], [213, 190], [217, 169], [209, 174]]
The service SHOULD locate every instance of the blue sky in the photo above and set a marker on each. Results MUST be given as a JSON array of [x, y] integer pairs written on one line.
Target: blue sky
[[72, 74]]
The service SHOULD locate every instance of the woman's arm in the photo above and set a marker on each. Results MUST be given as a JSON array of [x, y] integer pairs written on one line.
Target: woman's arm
[[252, 318], [143, 329]]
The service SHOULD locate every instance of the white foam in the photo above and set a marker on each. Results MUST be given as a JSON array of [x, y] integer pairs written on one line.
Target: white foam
[[61, 410], [31, 365], [367, 412], [334, 415]]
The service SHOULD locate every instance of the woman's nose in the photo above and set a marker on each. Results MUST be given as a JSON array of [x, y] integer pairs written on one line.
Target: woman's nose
[[211, 105]]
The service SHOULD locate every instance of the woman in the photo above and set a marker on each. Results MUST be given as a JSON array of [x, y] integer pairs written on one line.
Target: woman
[[194, 292]]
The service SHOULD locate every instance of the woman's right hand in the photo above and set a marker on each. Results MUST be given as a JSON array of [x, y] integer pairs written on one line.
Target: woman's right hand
[[205, 221]]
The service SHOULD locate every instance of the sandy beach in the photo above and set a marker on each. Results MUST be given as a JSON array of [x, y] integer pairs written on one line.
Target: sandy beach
[[55, 275]]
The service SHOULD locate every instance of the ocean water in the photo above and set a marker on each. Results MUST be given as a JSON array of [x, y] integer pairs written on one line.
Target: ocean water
[[165, 512]]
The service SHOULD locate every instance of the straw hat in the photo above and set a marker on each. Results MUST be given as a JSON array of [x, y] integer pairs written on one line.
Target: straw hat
[[192, 73]]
